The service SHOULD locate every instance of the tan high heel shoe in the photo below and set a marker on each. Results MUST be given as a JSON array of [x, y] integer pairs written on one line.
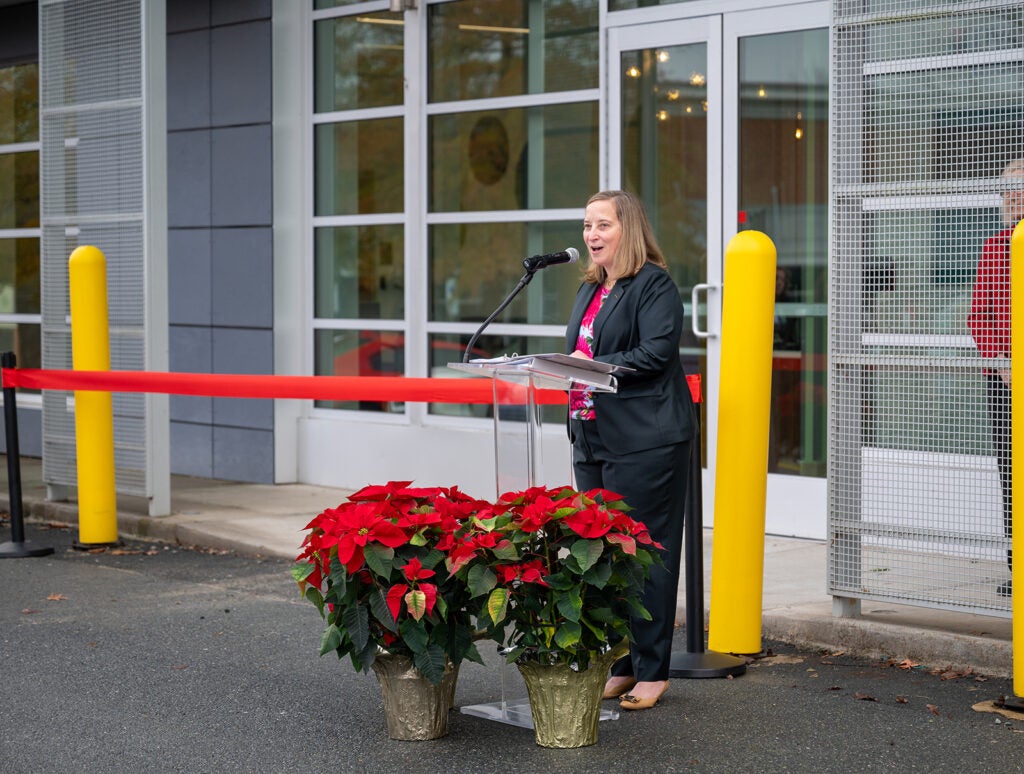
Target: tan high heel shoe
[[618, 690], [630, 702]]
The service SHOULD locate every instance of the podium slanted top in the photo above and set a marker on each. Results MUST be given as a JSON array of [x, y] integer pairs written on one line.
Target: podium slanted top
[[551, 370]]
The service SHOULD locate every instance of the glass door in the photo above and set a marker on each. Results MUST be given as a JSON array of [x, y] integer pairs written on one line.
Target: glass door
[[720, 123]]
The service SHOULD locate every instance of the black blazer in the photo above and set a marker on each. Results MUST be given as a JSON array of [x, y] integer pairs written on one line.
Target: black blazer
[[639, 326]]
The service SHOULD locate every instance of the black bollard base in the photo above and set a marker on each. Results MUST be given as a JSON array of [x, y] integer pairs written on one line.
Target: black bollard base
[[706, 664], [12, 550]]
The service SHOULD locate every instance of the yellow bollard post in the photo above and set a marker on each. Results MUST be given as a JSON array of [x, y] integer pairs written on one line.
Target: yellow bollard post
[[741, 477], [1017, 449], [94, 411]]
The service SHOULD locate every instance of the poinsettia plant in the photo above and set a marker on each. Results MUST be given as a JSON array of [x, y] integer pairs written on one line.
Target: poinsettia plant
[[557, 573], [378, 568]]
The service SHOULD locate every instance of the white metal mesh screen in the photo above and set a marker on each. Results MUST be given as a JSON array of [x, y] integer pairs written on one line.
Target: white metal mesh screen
[[92, 169], [928, 109]]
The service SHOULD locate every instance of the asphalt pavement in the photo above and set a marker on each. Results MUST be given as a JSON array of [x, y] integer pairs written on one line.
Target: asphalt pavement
[[152, 657]]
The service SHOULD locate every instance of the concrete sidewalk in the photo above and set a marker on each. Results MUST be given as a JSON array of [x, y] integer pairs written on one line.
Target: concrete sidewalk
[[269, 520]]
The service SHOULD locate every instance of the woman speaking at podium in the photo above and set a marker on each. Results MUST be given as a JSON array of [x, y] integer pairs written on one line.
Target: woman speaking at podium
[[636, 441]]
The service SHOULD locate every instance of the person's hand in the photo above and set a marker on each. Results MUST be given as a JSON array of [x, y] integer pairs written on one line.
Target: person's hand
[[585, 356], [1004, 374]]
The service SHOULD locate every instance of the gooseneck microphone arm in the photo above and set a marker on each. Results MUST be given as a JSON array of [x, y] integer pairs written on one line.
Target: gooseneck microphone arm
[[523, 282], [532, 266]]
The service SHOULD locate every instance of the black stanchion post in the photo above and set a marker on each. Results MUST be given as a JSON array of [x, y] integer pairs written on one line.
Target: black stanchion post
[[17, 546], [696, 661]]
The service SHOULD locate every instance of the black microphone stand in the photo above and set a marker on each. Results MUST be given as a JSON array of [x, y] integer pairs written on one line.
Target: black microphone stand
[[531, 269]]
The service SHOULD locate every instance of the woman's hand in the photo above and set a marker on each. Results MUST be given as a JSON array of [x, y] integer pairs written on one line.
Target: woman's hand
[[581, 355]]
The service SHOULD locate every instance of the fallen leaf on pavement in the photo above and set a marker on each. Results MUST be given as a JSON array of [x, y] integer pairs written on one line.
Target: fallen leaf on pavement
[[932, 708], [901, 699], [56, 597], [907, 664], [29, 611], [864, 697]]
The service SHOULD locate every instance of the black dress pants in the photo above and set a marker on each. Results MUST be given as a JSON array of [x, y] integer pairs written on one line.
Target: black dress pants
[[653, 483]]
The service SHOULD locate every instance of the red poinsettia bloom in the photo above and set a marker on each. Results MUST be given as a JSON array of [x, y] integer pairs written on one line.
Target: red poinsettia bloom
[[414, 570], [536, 514], [357, 527], [528, 572], [590, 522]]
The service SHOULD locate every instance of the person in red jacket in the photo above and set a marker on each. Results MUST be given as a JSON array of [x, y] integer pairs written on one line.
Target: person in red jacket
[[989, 322]]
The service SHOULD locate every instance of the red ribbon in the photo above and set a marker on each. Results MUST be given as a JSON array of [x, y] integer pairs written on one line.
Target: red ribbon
[[364, 388]]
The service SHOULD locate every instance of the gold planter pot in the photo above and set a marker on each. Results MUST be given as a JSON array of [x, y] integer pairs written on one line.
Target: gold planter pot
[[415, 708], [565, 704]]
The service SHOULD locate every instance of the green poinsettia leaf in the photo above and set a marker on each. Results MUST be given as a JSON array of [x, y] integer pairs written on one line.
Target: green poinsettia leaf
[[356, 621], [381, 611], [302, 570], [313, 595], [637, 608], [472, 654], [432, 559], [419, 539], [414, 635], [379, 558], [561, 581], [497, 605], [416, 603], [598, 575], [568, 634], [506, 551], [481, 580], [570, 605], [514, 654], [330, 640], [431, 662], [586, 553]]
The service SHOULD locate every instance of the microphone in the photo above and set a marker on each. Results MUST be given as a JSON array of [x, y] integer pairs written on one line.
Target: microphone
[[537, 262]]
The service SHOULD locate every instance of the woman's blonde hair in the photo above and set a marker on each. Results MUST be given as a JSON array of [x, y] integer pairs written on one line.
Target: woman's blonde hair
[[1013, 213], [637, 245]]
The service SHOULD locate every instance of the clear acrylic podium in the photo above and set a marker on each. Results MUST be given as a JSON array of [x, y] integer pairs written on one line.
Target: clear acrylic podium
[[518, 462]]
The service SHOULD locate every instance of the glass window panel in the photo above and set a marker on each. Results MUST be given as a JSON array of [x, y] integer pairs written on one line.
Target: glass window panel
[[19, 190], [19, 103], [358, 62], [19, 276], [499, 48], [360, 272], [952, 123], [447, 348], [320, 4], [474, 266], [23, 339], [359, 167], [664, 150], [783, 192], [628, 5], [532, 158], [358, 353]]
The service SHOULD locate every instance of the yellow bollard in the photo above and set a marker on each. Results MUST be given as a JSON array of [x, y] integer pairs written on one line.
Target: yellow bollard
[[1017, 449], [94, 411], [741, 477]]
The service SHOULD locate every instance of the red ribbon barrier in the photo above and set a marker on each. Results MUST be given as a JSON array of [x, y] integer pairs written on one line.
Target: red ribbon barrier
[[364, 388]]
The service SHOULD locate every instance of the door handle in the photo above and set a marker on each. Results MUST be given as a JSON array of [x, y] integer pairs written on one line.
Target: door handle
[[694, 321]]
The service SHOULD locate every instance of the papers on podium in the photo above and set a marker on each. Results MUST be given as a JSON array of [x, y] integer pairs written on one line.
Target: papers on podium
[[554, 367]]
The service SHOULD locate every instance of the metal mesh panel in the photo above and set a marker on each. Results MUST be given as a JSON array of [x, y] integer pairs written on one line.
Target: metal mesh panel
[[92, 169], [928, 110]]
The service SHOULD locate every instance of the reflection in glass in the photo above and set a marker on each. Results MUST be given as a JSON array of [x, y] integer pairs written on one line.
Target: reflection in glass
[[19, 190], [664, 160], [358, 353], [359, 62], [627, 5], [360, 272], [499, 48], [532, 158], [19, 103], [359, 167], [447, 348], [474, 266], [783, 190]]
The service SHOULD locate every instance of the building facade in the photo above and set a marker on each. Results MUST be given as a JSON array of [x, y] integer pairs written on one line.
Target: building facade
[[351, 188]]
